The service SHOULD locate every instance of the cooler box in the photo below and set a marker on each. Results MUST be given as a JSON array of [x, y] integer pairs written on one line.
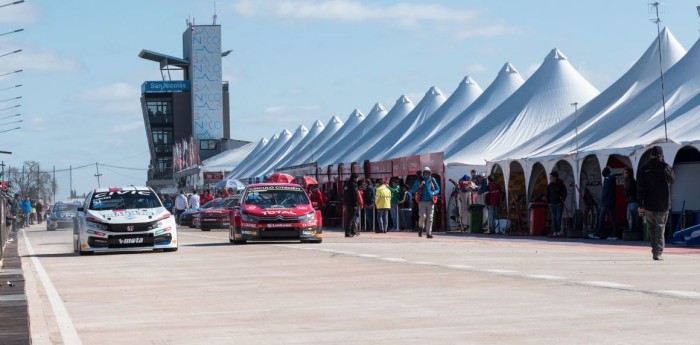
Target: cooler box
[[538, 216]]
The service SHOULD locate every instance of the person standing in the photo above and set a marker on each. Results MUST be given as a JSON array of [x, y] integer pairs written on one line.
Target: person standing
[[180, 206], [654, 197], [467, 189], [425, 190], [351, 203], [26, 211], [493, 202], [15, 210], [315, 195], [194, 201], [39, 211], [405, 207], [395, 197], [631, 197], [368, 204], [206, 197], [382, 202], [607, 206], [556, 195]]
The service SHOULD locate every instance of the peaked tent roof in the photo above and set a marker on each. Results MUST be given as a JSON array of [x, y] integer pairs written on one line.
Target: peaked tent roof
[[561, 138], [230, 158], [283, 137], [466, 93], [304, 154], [372, 119], [507, 81], [682, 93], [358, 150], [271, 162], [253, 156], [315, 130], [432, 100], [354, 119], [543, 100]]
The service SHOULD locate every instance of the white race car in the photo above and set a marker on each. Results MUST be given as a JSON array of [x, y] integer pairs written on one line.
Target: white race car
[[123, 219]]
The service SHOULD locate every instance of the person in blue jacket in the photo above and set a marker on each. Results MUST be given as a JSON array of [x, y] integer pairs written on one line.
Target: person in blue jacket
[[607, 206], [26, 210], [424, 189]]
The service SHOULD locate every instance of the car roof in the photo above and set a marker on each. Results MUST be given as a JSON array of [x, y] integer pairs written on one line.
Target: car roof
[[125, 188], [274, 184]]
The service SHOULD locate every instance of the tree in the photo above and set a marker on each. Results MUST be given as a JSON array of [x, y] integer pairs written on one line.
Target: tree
[[32, 182]]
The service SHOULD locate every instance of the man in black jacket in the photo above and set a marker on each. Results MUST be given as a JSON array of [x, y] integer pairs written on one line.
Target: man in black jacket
[[654, 197], [351, 203], [607, 206], [556, 195]]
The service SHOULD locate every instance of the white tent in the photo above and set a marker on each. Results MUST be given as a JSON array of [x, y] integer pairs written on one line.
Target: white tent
[[252, 157], [507, 81], [315, 130], [466, 93], [357, 151], [354, 119], [305, 154], [543, 100], [230, 159], [272, 161], [590, 121], [432, 100], [371, 120], [283, 137]]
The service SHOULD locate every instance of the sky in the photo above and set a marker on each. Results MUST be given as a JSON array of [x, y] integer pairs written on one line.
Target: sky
[[293, 62]]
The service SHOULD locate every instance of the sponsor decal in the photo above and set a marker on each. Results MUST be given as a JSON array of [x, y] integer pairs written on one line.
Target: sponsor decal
[[98, 233], [275, 188], [103, 195], [160, 232], [130, 214], [249, 233], [136, 240], [278, 212], [283, 225]]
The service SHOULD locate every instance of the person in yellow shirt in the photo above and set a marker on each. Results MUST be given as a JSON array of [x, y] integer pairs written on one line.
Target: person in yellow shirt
[[382, 202]]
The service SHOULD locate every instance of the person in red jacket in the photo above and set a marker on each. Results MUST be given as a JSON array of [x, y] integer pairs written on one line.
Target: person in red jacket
[[493, 197], [206, 197], [316, 196]]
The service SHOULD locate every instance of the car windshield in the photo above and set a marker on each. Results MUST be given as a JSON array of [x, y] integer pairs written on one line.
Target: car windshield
[[65, 208], [224, 203], [210, 203], [124, 199], [275, 196]]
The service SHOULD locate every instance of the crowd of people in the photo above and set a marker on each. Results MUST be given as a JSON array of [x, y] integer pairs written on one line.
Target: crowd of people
[[22, 212], [182, 201]]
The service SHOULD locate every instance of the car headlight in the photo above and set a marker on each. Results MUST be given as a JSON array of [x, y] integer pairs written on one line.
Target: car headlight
[[308, 217], [156, 225], [246, 217], [98, 226]]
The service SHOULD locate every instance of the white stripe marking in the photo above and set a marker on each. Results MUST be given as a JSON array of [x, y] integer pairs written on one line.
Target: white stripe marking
[[608, 284], [459, 267], [427, 263], [393, 259], [204, 236], [546, 277], [370, 256], [679, 293], [65, 324], [499, 271]]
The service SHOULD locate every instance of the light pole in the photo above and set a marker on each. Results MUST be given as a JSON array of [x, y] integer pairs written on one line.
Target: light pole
[[11, 87], [14, 52], [661, 66], [12, 129], [11, 32], [7, 117], [16, 106], [11, 99], [9, 123], [13, 3]]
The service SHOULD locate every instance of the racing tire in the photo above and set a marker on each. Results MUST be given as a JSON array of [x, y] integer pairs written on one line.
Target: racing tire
[[168, 250], [191, 226], [237, 242], [205, 229], [315, 241], [85, 252]]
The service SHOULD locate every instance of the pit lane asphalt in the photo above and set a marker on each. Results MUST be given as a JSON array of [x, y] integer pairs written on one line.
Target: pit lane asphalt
[[391, 288]]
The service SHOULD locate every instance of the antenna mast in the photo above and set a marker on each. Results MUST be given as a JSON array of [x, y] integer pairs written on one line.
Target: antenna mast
[[657, 20], [214, 16]]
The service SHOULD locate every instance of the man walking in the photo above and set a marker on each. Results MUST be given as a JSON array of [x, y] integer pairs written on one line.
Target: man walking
[[39, 211], [194, 200], [351, 203], [556, 195], [424, 190], [654, 197], [180, 206]]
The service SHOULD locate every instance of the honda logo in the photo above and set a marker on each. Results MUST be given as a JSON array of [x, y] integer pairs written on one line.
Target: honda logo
[[129, 228]]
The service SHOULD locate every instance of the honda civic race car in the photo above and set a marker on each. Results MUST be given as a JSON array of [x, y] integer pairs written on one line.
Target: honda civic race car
[[275, 211], [123, 219], [61, 215]]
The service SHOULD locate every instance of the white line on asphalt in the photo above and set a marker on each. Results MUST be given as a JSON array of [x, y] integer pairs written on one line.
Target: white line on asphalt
[[370, 256], [393, 259], [204, 236], [65, 324], [545, 276], [681, 293], [459, 267], [499, 271], [608, 284], [427, 263]]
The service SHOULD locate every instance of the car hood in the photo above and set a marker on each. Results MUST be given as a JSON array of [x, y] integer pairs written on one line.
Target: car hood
[[215, 211], [118, 216], [298, 210]]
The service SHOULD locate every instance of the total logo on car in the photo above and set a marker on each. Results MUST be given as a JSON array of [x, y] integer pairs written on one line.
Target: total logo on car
[[123, 219], [274, 212]]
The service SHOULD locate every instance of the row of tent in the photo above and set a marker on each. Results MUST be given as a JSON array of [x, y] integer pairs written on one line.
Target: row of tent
[[553, 113]]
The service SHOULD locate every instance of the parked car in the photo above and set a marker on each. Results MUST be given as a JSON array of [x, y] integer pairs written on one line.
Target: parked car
[[275, 211], [61, 215], [217, 216], [187, 217]]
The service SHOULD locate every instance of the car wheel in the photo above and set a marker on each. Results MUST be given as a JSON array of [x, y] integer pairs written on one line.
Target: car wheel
[[85, 252], [237, 242], [205, 229], [315, 241], [170, 249], [191, 226]]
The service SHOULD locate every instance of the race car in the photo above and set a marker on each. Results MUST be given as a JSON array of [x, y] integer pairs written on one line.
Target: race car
[[61, 215], [187, 217], [123, 219], [216, 216], [273, 212]]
